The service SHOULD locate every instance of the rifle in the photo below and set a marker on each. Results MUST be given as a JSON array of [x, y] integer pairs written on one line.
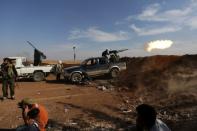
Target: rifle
[[16, 84]]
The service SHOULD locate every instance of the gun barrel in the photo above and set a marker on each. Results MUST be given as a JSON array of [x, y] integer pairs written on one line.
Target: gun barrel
[[37, 53], [31, 44], [121, 50], [117, 51]]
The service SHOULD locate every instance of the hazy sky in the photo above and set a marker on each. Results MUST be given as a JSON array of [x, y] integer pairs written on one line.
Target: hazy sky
[[55, 26]]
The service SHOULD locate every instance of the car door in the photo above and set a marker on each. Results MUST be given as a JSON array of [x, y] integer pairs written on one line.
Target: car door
[[91, 67], [103, 66]]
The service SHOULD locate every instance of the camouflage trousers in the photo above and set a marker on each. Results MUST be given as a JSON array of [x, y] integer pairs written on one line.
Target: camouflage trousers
[[8, 83]]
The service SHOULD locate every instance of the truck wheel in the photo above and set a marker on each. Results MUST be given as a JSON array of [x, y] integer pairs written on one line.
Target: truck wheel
[[38, 76], [76, 77], [114, 72]]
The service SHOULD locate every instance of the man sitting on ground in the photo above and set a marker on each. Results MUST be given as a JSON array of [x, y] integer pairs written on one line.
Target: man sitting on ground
[[147, 121], [33, 111]]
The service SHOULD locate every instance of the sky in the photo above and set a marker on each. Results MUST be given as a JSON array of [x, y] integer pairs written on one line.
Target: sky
[[55, 26]]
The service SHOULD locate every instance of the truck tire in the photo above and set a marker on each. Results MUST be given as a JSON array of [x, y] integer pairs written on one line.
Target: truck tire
[[114, 72], [76, 77], [38, 76]]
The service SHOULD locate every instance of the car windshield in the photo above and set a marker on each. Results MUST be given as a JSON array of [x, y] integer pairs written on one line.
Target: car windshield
[[84, 62], [90, 62]]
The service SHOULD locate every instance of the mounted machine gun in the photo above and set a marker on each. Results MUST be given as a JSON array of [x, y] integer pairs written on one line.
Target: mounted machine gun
[[38, 55]]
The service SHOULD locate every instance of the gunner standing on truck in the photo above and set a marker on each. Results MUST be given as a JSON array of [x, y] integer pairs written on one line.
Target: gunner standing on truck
[[105, 53]]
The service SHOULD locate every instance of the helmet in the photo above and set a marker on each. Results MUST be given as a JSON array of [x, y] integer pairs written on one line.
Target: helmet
[[25, 101]]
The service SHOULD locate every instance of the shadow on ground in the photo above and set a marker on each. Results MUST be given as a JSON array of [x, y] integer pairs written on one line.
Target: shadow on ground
[[98, 116], [7, 129]]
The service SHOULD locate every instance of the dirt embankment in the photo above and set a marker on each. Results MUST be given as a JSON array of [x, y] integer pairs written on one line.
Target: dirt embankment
[[158, 72], [167, 82]]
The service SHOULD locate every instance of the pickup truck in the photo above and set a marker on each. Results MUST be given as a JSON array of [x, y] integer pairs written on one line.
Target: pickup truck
[[93, 67], [26, 70]]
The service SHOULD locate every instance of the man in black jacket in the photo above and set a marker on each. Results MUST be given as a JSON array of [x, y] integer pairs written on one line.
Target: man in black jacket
[[105, 53]]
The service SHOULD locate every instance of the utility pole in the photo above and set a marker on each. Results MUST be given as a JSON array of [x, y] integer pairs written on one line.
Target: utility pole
[[74, 53]]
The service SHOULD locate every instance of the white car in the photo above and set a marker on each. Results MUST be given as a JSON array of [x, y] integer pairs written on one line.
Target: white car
[[25, 70]]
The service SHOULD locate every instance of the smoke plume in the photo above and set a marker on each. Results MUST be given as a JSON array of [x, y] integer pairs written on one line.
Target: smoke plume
[[158, 44]]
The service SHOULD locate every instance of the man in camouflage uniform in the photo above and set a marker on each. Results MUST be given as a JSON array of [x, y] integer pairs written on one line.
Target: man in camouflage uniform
[[9, 74]]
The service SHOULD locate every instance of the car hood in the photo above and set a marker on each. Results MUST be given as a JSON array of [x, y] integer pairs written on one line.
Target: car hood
[[72, 68]]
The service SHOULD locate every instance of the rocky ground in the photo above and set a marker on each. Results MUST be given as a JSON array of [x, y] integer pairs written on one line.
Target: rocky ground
[[169, 83], [69, 106]]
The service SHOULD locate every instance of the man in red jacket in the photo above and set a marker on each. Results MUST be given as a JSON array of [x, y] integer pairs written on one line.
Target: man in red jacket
[[28, 105]]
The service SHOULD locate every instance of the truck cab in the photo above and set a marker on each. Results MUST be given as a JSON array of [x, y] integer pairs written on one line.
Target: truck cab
[[18, 61]]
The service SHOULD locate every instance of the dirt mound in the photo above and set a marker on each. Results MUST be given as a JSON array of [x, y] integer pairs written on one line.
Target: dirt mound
[[157, 70], [167, 82], [162, 75]]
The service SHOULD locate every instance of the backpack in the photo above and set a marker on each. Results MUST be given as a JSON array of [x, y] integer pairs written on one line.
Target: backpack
[[10, 71]]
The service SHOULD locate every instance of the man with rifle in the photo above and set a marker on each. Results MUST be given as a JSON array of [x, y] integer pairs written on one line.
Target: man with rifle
[[9, 75]]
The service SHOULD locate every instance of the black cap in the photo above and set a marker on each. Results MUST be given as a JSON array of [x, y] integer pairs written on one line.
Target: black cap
[[6, 59]]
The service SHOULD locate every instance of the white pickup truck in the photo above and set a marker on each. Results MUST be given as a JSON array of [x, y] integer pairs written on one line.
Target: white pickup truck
[[25, 70]]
